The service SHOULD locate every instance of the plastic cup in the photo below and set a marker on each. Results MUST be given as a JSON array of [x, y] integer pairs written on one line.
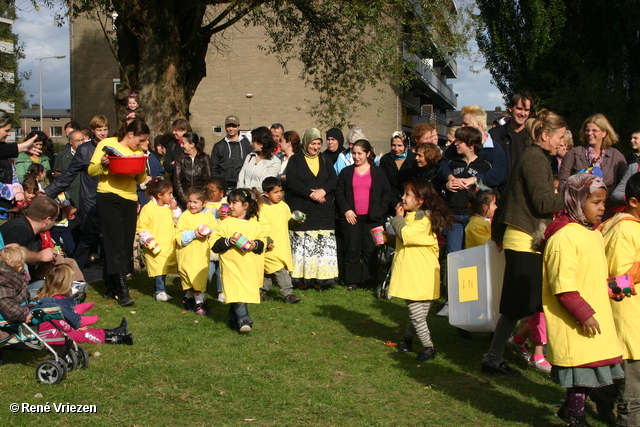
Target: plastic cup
[[378, 235], [243, 243], [298, 216], [223, 212]]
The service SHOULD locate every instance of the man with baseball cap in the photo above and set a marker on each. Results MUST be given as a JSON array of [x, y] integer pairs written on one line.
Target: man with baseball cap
[[228, 154]]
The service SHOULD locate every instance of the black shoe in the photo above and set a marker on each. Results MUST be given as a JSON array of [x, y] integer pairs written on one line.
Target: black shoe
[[118, 339], [464, 334], [203, 309], [291, 299], [189, 304], [352, 287], [563, 413], [579, 421], [318, 288], [503, 369], [405, 345], [123, 329], [123, 291], [428, 353], [264, 296]]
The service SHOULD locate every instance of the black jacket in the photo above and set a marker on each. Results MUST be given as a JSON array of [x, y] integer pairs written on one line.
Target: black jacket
[[187, 173], [87, 210], [381, 196], [300, 182], [388, 165], [228, 157]]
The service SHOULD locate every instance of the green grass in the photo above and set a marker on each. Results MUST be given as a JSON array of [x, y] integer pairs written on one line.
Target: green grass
[[322, 362]]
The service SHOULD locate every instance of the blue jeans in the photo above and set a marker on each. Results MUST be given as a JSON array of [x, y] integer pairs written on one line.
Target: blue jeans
[[455, 236], [161, 283], [214, 270], [238, 315]]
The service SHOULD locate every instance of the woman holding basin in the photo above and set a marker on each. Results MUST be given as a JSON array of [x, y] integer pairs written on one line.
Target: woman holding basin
[[363, 197]]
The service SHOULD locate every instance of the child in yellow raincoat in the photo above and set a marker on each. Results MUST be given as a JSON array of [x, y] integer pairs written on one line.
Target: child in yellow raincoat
[[194, 248], [156, 228], [415, 273], [240, 241]]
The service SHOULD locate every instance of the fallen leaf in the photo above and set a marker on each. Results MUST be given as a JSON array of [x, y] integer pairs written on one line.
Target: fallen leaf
[[133, 312], [223, 393], [313, 333], [195, 321], [96, 354], [38, 396], [427, 388], [250, 419]]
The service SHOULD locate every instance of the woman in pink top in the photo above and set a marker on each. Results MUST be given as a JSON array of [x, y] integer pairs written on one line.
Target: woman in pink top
[[363, 196]]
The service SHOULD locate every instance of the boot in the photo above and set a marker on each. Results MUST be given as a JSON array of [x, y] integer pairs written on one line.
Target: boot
[[110, 284], [123, 329], [123, 291], [114, 338]]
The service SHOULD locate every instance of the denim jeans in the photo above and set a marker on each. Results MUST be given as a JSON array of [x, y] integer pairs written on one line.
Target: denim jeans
[[214, 270], [455, 236], [161, 283], [239, 315]]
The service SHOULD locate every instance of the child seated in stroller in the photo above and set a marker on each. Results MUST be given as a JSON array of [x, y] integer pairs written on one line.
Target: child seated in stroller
[[13, 288]]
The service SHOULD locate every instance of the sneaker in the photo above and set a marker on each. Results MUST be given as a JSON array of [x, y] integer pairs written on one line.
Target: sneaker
[[503, 368], [203, 309], [245, 329], [541, 365], [221, 297], [78, 288], [444, 311], [428, 353], [264, 296], [189, 304], [291, 299], [405, 346], [163, 296], [520, 349]]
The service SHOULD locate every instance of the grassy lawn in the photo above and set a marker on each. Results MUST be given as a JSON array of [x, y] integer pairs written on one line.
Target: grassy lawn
[[322, 362]]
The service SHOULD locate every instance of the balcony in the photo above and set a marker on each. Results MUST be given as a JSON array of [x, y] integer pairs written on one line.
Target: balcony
[[440, 123], [435, 86], [6, 46]]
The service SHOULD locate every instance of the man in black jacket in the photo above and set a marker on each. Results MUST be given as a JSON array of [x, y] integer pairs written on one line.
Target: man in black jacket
[[229, 153], [512, 136]]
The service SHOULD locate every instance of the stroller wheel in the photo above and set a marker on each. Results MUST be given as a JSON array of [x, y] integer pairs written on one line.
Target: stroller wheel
[[70, 360], [83, 358], [50, 372]]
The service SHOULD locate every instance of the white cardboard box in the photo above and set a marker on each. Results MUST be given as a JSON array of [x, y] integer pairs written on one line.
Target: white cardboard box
[[475, 285]]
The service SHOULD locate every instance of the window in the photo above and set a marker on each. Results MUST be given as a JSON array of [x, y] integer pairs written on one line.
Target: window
[[116, 85], [35, 128], [18, 131], [35, 119], [217, 130], [55, 119], [56, 131]]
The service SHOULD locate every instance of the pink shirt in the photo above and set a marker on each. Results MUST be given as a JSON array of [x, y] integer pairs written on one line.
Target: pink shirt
[[361, 191]]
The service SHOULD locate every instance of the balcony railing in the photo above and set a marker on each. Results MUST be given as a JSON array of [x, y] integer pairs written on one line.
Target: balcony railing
[[427, 75]]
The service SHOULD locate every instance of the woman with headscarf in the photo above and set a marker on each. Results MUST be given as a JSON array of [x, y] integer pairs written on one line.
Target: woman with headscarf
[[310, 183], [400, 158], [335, 144]]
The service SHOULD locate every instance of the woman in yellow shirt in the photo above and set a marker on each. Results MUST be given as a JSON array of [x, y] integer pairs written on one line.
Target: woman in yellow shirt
[[117, 202]]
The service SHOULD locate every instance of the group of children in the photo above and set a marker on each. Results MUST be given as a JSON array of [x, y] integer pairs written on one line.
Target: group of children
[[237, 239]]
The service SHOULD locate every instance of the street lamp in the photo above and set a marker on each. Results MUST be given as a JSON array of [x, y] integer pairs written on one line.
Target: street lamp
[[40, 69], [249, 95]]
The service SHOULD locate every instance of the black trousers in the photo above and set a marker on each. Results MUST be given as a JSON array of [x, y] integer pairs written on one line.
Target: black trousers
[[360, 253], [118, 222]]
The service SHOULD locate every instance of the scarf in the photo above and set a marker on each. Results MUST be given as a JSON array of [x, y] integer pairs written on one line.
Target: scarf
[[337, 134], [310, 135], [591, 159]]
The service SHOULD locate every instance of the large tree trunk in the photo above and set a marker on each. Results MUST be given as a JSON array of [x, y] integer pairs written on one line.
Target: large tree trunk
[[152, 32]]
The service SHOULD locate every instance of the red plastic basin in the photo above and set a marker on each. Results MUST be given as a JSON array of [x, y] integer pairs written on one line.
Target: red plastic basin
[[127, 165]]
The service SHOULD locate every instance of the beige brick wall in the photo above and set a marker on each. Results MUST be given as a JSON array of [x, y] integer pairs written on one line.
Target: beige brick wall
[[231, 75]]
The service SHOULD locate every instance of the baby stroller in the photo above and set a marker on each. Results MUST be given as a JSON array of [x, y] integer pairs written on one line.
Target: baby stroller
[[385, 257], [54, 368]]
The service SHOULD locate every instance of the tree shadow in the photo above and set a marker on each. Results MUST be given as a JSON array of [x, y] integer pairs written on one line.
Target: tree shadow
[[456, 370]]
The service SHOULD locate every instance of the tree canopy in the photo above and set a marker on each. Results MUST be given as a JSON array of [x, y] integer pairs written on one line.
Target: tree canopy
[[578, 57], [10, 79], [344, 46]]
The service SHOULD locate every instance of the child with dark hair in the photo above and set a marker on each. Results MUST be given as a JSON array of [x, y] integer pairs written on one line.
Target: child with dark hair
[[482, 205], [156, 228], [622, 246], [240, 241], [274, 217], [415, 273], [583, 348], [194, 240]]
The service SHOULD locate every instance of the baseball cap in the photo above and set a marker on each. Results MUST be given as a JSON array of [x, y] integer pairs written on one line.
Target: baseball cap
[[232, 120]]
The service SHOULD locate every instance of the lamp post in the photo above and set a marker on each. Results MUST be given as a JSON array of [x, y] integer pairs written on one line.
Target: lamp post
[[250, 95], [40, 69]]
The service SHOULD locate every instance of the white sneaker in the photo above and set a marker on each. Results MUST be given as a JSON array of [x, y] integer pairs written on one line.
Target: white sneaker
[[221, 297], [245, 329], [444, 311], [163, 296]]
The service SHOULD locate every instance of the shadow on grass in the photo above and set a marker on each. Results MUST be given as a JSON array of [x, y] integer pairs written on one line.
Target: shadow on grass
[[456, 370]]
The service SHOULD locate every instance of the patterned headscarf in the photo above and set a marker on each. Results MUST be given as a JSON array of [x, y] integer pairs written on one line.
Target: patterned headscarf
[[576, 191], [310, 135]]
